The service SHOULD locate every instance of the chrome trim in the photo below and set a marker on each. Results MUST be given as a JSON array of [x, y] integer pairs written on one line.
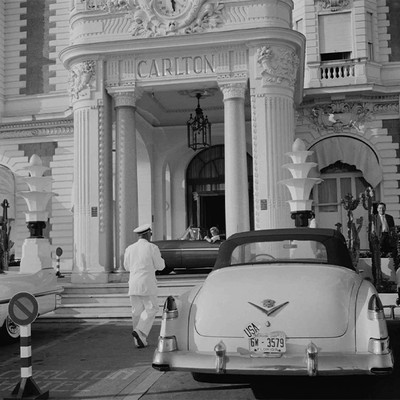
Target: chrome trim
[[379, 346], [312, 359], [220, 350], [40, 294], [167, 344]]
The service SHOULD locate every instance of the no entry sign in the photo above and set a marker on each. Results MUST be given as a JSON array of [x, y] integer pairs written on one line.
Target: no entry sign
[[23, 308]]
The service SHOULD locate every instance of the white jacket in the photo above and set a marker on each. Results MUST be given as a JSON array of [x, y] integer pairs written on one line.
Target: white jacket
[[142, 259]]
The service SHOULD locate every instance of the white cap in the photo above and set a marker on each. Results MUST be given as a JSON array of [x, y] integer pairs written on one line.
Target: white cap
[[140, 230]]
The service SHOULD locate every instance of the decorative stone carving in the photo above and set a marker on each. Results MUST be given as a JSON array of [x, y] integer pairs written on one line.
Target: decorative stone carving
[[81, 76], [339, 116], [42, 128], [333, 5], [126, 98], [233, 89], [198, 16], [279, 65], [110, 6]]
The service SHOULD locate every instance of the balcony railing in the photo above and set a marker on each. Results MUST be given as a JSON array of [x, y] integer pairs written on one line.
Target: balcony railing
[[337, 71], [342, 72]]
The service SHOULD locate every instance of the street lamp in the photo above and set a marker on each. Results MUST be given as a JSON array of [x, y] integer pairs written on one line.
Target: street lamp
[[300, 185]]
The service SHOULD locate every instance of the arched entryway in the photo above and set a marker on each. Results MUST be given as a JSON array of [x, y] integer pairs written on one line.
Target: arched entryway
[[205, 189], [347, 166]]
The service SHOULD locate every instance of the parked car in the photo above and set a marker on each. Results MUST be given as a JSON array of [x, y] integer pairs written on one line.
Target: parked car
[[278, 302], [190, 251], [42, 284]]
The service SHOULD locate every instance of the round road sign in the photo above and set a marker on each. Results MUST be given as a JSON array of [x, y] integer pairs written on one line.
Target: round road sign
[[23, 308]]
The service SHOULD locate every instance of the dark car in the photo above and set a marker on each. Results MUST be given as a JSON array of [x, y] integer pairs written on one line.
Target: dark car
[[188, 253]]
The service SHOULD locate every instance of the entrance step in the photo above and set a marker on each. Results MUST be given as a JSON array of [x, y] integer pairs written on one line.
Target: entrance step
[[110, 300]]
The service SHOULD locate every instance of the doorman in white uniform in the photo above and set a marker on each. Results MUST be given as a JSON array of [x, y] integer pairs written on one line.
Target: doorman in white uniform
[[142, 259]]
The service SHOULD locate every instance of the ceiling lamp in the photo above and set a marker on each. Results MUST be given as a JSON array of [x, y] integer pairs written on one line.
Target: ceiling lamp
[[198, 129]]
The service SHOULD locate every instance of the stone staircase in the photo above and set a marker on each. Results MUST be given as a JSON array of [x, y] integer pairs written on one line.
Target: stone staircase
[[88, 302]]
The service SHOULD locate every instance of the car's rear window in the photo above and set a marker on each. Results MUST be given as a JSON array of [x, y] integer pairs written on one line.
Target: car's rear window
[[279, 251]]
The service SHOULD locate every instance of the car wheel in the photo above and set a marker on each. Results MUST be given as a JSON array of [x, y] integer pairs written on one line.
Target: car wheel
[[10, 331]]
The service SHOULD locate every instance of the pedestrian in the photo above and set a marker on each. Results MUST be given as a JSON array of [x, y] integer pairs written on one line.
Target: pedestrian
[[142, 259]]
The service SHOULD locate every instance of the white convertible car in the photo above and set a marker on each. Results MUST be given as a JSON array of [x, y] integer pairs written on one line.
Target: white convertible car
[[282, 302], [42, 284]]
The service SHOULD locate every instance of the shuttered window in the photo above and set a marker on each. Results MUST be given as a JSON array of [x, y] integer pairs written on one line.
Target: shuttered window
[[335, 33]]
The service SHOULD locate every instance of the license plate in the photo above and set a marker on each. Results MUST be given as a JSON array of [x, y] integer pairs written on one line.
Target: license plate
[[268, 344]]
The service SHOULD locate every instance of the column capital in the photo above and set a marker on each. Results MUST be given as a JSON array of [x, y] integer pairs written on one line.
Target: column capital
[[232, 90], [125, 98]]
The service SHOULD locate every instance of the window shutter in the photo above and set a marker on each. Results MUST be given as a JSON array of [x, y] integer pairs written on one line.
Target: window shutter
[[335, 33]]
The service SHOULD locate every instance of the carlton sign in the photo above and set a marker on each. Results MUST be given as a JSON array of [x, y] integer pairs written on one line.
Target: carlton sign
[[176, 66]]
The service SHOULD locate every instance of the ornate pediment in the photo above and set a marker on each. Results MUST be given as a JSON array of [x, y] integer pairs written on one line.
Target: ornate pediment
[[172, 17]]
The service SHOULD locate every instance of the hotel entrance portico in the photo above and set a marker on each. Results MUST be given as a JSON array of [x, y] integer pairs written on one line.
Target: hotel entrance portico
[[136, 95]]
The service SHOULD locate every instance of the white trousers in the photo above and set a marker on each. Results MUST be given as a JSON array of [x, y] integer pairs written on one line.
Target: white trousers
[[144, 311]]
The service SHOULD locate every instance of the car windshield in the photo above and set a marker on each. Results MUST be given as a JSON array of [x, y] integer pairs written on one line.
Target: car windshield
[[279, 251]]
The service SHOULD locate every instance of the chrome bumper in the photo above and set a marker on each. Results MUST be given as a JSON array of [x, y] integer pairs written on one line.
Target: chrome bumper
[[326, 363]]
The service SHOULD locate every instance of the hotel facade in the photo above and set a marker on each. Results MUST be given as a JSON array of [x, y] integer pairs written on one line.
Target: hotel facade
[[101, 91]]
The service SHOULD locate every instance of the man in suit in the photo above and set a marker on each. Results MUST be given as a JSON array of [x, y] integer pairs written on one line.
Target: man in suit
[[384, 229]]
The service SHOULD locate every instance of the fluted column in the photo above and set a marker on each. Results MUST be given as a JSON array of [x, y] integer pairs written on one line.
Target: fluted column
[[82, 179], [236, 175], [126, 181], [272, 85]]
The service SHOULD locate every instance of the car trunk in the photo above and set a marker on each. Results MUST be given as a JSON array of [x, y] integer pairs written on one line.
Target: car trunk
[[315, 300]]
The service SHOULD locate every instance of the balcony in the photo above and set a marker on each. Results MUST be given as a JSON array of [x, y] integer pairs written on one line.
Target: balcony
[[356, 71]]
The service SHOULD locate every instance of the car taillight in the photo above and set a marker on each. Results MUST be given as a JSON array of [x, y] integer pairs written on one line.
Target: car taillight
[[166, 341], [375, 308], [170, 310]]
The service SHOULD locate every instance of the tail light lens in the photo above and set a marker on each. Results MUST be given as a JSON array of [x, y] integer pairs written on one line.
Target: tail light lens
[[379, 346], [170, 309], [375, 308]]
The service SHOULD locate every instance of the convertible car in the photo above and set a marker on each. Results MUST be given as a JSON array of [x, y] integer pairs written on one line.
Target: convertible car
[[191, 251], [278, 302], [42, 284]]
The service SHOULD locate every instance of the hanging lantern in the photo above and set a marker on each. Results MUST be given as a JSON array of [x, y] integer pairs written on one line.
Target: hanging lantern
[[198, 129]]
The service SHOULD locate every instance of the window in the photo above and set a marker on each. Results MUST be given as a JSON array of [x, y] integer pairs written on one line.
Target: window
[[335, 34], [336, 56], [370, 36]]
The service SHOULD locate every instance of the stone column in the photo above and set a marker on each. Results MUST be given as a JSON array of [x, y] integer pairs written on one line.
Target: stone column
[[85, 240], [158, 191], [126, 182], [272, 81], [236, 175]]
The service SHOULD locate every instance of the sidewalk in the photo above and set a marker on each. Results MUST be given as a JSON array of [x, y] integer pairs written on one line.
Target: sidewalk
[[83, 361]]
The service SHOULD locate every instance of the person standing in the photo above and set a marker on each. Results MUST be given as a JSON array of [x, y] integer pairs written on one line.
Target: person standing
[[142, 259], [383, 229]]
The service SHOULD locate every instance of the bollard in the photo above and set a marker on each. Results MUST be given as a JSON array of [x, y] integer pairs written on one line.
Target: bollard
[[58, 254], [23, 310]]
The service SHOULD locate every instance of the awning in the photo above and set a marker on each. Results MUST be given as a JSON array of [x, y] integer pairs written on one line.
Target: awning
[[350, 151]]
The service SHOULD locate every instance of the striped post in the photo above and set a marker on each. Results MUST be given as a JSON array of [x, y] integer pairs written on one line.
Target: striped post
[[58, 255], [26, 388]]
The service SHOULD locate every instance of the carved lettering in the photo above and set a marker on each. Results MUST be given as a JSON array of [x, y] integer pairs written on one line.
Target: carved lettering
[[177, 66]]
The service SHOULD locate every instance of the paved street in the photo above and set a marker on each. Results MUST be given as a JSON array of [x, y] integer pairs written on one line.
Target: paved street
[[99, 361]]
